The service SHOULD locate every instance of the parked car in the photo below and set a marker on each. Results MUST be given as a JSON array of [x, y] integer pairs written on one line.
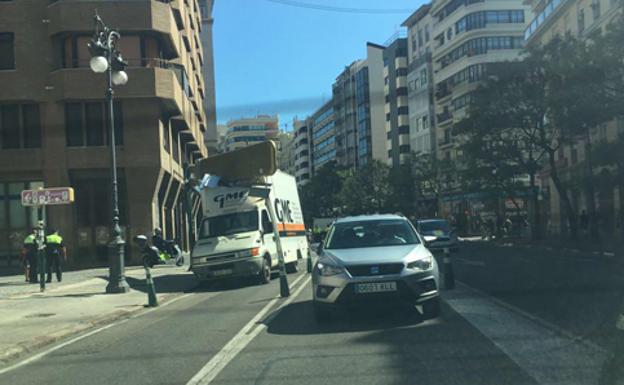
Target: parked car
[[373, 259], [438, 234]]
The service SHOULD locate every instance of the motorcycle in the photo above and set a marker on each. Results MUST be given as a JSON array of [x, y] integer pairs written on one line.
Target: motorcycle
[[153, 256]]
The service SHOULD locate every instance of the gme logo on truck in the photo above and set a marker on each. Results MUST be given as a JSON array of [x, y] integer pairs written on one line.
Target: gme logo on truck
[[282, 211], [231, 198]]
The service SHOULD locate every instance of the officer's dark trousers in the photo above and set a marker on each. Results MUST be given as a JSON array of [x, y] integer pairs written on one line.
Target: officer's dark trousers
[[32, 261], [54, 262]]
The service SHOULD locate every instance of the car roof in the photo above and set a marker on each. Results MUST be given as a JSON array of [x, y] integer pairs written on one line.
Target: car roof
[[374, 217], [432, 220]]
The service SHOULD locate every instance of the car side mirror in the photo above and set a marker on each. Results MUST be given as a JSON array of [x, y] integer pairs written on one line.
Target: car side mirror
[[429, 239]]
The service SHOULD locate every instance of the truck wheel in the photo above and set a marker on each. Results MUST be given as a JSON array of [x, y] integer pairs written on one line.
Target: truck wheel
[[431, 308], [264, 275]]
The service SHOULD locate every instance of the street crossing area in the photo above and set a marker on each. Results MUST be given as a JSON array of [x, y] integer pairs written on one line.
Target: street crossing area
[[241, 333]]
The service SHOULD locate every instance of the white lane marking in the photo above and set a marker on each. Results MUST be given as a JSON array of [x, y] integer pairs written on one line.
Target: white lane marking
[[470, 262], [220, 360], [544, 351], [88, 334]]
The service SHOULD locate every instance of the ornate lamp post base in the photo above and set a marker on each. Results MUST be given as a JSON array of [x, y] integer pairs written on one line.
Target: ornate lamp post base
[[117, 283]]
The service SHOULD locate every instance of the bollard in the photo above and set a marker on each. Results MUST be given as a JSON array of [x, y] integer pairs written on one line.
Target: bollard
[[449, 276], [152, 300], [309, 266]]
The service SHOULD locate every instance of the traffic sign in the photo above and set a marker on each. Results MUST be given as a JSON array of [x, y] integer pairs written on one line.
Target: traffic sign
[[48, 196]]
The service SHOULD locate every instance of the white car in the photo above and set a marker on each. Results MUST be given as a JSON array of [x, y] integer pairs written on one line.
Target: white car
[[373, 259]]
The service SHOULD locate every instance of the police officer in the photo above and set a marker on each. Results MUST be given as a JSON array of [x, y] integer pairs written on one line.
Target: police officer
[[55, 251], [30, 247]]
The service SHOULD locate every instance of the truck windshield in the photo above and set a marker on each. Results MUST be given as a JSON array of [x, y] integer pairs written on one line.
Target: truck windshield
[[229, 224]]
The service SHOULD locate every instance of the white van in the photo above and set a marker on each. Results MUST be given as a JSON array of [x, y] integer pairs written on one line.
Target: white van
[[235, 237]]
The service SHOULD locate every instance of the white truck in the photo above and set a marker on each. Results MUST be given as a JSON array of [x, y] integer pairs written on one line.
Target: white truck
[[236, 238]]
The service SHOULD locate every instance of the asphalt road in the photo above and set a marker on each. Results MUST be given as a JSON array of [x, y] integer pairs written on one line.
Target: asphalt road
[[509, 321]]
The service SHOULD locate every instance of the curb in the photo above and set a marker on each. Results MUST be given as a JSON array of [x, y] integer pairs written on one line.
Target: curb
[[26, 347], [609, 254]]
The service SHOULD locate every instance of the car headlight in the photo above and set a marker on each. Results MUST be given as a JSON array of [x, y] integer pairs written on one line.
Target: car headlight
[[327, 270], [249, 252], [422, 264]]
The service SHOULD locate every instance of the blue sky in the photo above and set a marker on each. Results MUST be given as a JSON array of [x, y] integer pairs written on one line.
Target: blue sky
[[276, 58]]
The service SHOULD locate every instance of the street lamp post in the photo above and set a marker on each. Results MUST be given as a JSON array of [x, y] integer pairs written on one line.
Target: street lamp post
[[106, 58]]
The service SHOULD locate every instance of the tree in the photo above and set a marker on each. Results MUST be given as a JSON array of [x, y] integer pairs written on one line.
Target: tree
[[319, 197], [503, 136], [403, 193], [366, 190], [429, 182]]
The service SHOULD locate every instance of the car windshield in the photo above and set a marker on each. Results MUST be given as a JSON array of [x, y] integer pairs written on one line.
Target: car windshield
[[229, 224], [430, 227], [371, 233]]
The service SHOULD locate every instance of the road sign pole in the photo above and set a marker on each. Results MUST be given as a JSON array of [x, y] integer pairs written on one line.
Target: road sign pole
[[41, 257], [284, 289]]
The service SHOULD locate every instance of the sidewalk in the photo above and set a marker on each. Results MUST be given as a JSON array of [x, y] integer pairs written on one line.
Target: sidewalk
[[31, 320], [603, 249]]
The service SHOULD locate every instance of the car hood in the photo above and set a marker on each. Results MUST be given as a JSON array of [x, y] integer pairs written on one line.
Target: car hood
[[382, 254]]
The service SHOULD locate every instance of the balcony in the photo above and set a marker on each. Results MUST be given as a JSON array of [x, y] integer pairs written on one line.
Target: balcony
[[144, 82], [442, 91], [444, 117], [128, 16]]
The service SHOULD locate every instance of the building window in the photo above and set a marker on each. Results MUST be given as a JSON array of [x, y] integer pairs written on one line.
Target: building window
[[581, 20], [595, 5], [423, 77], [404, 149], [387, 117], [404, 130], [20, 126], [401, 91], [403, 110], [420, 38], [175, 146], [13, 215], [401, 71], [86, 124], [7, 51], [427, 35]]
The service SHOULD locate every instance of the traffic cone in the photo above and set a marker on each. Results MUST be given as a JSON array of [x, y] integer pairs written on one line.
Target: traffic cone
[[152, 300]]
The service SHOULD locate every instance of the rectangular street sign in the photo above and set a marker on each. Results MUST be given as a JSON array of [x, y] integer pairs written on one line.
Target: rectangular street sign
[[48, 196]]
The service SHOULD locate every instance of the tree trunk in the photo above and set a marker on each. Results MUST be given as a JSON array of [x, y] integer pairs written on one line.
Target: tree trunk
[[535, 214], [590, 189], [562, 191]]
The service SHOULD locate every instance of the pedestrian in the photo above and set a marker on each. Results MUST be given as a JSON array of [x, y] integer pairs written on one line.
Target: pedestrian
[[30, 253], [508, 225], [55, 254]]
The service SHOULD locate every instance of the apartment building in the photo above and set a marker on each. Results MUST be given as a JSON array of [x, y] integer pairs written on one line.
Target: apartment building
[[420, 81], [302, 151], [211, 136], [579, 18], [54, 126], [286, 152], [323, 136], [468, 35], [395, 96], [247, 131]]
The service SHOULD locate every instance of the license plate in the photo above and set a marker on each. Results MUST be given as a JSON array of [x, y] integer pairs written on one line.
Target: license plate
[[376, 287], [221, 272]]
